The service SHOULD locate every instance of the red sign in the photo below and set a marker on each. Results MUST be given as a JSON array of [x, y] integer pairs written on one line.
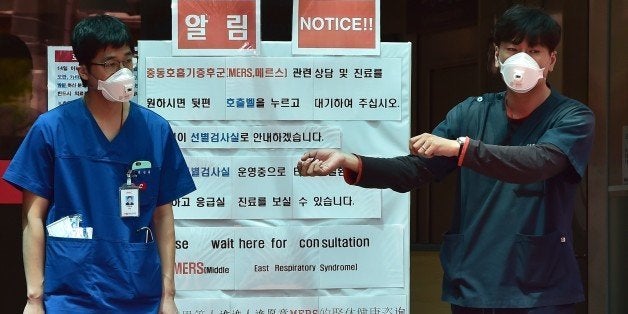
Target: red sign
[[8, 194], [64, 56], [337, 24], [217, 24]]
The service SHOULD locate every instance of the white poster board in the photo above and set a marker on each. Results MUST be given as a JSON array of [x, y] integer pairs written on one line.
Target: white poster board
[[254, 231]]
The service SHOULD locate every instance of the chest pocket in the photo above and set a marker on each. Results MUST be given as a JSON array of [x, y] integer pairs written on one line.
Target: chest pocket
[[148, 182]]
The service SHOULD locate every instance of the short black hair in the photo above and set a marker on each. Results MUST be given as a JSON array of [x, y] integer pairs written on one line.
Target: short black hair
[[534, 25], [98, 32]]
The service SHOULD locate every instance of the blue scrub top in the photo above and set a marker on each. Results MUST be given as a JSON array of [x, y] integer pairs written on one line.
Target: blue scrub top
[[66, 159]]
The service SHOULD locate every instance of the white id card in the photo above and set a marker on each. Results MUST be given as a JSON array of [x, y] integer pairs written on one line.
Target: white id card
[[129, 201]]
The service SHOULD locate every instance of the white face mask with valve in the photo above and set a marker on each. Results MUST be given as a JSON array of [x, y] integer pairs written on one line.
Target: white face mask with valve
[[520, 72], [119, 87]]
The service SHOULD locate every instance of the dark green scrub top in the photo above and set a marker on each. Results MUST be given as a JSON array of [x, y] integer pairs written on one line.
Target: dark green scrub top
[[511, 244]]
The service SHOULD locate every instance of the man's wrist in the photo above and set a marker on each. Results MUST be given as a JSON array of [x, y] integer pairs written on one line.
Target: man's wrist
[[464, 143], [351, 161], [461, 141], [34, 295], [34, 299], [168, 293]]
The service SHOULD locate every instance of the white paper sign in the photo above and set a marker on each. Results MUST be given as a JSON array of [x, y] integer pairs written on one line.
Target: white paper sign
[[246, 116], [287, 258], [212, 198], [257, 137], [272, 88], [205, 259], [268, 187], [369, 303]]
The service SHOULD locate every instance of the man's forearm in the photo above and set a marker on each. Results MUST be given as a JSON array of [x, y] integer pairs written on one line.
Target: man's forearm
[[33, 244], [33, 257], [165, 237]]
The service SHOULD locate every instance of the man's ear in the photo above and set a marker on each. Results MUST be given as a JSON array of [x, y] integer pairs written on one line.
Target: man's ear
[[496, 56], [83, 72], [553, 58]]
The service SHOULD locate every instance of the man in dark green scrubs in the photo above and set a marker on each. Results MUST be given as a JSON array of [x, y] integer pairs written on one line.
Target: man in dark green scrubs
[[521, 154]]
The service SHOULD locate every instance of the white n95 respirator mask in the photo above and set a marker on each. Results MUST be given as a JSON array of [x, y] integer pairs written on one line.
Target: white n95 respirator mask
[[520, 72], [120, 86]]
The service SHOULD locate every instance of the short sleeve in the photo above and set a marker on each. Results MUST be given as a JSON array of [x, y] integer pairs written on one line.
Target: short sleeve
[[573, 135], [176, 180]]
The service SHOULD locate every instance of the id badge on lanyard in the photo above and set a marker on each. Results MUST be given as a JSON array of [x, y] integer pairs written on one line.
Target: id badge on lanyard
[[130, 193], [129, 198]]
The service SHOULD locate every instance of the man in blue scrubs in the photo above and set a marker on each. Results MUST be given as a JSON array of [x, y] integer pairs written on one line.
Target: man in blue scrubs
[[85, 249], [520, 155]]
